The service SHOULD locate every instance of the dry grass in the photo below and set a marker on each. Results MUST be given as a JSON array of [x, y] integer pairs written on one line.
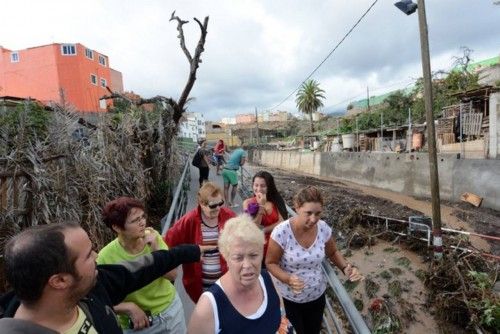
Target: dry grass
[[70, 179]]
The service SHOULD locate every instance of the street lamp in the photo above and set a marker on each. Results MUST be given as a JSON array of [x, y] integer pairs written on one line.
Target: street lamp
[[408, 7]]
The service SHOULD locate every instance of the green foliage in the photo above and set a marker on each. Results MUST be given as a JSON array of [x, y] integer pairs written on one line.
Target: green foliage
[[120, 105], [368, 121], [490, 315], [26, 122], [346, 125], [481, 280]]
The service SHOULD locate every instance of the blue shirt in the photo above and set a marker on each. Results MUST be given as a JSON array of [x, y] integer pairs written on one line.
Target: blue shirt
[[234, 161]]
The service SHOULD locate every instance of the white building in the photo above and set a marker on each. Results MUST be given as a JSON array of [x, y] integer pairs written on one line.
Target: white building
[[228, 120], [192, 126]]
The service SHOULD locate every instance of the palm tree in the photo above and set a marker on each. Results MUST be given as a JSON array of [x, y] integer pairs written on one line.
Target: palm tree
[[308, 99]]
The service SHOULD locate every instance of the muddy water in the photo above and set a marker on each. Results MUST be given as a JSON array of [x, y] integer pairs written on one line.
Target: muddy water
[[376, 263]]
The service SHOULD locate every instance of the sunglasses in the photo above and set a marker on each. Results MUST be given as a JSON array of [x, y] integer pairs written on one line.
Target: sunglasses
[[215, 205]]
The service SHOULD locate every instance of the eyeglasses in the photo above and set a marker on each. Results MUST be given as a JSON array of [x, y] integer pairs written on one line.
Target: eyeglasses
[[215, 205], [138, 219]]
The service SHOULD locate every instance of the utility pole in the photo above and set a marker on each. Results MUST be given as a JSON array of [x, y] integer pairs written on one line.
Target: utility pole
[[409, 141], [257, 125], [368, 98], [381, 130], [429, 115], [357, 135]]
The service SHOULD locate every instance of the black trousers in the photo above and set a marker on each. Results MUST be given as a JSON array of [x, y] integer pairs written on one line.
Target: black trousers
[[306, 318], [203, 174]]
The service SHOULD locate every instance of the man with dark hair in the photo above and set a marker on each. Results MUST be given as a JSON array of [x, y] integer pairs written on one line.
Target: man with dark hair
[[58, 288]]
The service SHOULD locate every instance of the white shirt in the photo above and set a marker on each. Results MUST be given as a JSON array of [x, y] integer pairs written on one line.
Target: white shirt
[[303, 262]]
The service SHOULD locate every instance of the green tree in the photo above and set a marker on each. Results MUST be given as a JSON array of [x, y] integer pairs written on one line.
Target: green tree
[[308, 99]]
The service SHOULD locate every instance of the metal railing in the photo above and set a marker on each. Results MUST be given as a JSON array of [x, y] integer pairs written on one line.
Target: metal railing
[[355, 319], [179, 202]]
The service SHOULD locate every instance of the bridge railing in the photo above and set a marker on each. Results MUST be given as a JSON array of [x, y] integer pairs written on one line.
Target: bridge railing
[[180, 199]]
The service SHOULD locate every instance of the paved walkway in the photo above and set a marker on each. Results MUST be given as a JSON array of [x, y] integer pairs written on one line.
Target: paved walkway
[[192, 202]]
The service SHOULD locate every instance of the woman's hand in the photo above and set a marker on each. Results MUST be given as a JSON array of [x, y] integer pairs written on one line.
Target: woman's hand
[[261, 198], [137, 316], [150, 238], [295, 283], [284, 325], [262, 210], [352, 273]]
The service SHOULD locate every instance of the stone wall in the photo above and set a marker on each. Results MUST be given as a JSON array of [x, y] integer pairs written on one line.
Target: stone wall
[[405, 173]]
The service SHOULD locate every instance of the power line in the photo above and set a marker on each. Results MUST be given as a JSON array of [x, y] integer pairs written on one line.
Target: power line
[[328, 56]]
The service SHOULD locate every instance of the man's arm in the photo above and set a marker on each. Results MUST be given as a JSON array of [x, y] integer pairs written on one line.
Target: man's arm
[[121, 279]]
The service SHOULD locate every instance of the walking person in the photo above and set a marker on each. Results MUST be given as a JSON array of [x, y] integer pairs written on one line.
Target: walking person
[[296, 249], [219, 150], [58, 288], [230, 174], [267, 208], [202, 226], [155, 308], [202, 158]]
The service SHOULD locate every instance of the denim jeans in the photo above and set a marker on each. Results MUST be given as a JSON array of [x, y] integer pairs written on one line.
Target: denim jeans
[[171, 321]]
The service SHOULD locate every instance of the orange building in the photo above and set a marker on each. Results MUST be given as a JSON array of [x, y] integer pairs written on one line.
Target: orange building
[[49, 72], [245, 118]]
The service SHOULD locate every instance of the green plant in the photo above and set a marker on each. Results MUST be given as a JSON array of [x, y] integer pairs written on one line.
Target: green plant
[[490, 316], [27, 122], [346, 125]]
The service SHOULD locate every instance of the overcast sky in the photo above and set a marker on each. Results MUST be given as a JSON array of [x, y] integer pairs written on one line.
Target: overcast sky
[[258, 52]]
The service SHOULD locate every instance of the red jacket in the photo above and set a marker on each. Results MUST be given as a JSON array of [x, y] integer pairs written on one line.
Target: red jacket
[[219, 148], [187, 230]]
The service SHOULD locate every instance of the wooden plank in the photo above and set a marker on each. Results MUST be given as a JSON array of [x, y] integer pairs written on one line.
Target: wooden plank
[[472, 123], [473, 145], [471, 198]]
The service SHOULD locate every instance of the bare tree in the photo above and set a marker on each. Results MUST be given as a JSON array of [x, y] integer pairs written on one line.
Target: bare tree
[[194, 61]]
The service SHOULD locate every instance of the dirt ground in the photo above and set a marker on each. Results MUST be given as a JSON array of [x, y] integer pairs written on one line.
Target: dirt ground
[[394, 274], [341, 197]]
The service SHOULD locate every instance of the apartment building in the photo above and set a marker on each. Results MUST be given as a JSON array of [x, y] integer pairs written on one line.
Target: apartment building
[[192, 125], [51, 73]]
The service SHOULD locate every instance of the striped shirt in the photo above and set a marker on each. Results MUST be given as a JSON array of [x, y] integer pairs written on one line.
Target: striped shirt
[[210, 261]]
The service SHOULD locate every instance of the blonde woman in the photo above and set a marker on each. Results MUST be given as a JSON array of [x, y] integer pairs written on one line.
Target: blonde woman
[[244, 300]]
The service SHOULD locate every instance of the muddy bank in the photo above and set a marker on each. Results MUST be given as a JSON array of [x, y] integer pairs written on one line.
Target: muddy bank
[[399, 292]]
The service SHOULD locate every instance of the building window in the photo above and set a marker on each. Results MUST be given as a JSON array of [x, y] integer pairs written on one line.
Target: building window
[[89, 54], [102, 104], [102, 60], [14, 57], [68, 49], [93, 79], [103, 82]]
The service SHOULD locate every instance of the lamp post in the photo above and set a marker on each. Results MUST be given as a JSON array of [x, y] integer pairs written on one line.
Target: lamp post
[[408, 7]]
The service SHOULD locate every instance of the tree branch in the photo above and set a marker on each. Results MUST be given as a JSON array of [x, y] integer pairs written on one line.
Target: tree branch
[[193, 61], [180, 23]]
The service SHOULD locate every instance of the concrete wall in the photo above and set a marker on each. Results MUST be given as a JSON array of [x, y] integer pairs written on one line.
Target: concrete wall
[[495, 126], [404, 173]]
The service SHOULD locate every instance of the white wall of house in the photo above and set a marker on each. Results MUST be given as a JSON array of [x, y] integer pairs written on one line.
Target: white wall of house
[[495, 126], [193, 126], [228, 120]]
